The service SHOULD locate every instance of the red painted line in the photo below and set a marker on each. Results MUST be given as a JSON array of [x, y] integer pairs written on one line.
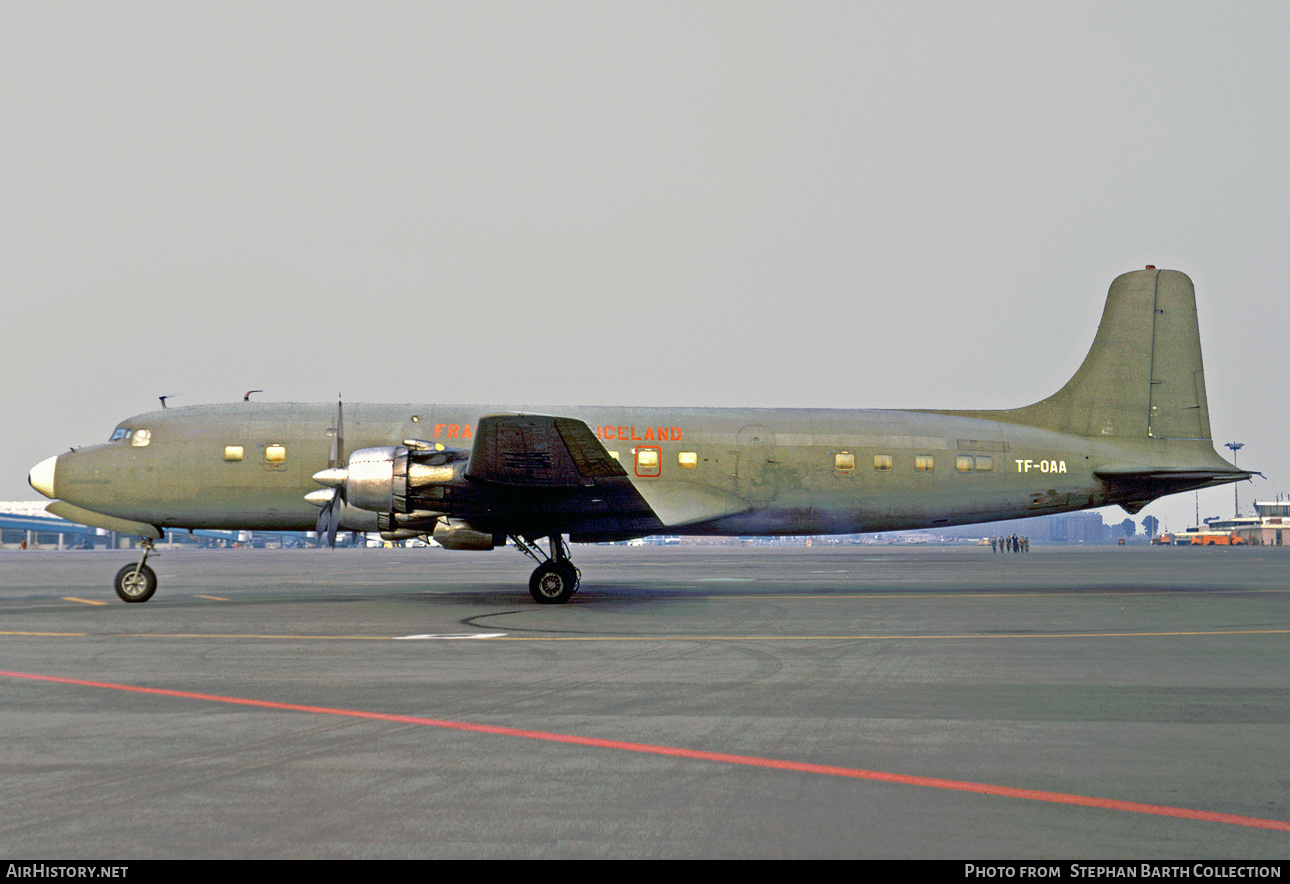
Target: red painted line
[[698, 755]]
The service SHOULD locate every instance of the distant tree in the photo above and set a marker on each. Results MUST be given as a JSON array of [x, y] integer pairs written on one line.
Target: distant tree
[[1129, 527], [1150, 524]]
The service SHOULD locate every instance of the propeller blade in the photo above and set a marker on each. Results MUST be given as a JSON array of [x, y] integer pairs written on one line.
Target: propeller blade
[[333, 523], [334, 475], [340, 432], [336, 452], [324, 515]]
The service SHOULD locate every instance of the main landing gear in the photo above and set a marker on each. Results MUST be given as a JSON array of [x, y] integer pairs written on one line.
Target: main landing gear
[[555, 579], [137, 583]]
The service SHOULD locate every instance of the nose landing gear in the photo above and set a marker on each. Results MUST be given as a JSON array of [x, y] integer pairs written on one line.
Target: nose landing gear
[[137, 583]]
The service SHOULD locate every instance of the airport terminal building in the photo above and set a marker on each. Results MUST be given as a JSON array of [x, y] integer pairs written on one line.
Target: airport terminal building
[[1271, 527]]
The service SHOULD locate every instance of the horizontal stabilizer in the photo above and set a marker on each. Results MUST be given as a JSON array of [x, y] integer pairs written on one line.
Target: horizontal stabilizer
[[1115, 472], [1144, 484]]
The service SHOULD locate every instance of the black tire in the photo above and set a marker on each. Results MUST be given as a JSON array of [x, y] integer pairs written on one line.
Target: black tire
[[553, 583], [132, 589]]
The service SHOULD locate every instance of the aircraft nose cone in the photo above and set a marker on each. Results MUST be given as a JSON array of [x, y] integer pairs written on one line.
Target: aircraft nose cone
[[41, 476]]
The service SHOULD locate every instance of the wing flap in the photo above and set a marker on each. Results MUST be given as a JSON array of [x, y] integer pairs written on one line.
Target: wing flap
[[684, 503]]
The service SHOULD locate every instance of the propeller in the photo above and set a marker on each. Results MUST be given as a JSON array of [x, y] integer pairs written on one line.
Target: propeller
[[329, 517]]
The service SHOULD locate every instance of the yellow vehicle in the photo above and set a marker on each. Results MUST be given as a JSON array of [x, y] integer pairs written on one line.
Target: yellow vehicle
[[1210, 538], [1217, 538]]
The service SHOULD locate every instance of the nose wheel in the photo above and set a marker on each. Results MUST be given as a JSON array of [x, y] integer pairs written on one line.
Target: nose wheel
[[137, 583]]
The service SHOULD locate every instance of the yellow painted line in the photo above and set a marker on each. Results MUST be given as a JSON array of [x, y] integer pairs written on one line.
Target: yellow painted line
[[198, 635], [663, 638], [213, 598], [893, 637], [69, 598], [49, 634], [969, 594], [268, 637]]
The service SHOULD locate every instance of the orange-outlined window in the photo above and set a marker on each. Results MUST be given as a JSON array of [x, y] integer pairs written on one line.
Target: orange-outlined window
[[647, 461]]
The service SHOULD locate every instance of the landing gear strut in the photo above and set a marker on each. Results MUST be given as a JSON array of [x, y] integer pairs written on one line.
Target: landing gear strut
[[555, 579], [137, 583]]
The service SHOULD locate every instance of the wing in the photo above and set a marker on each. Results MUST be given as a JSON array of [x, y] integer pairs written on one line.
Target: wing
[[538, 451], [540, 474], [557, 466]]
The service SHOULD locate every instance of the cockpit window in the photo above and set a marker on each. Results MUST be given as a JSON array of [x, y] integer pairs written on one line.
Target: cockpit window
[[141, 438], [120, 433]]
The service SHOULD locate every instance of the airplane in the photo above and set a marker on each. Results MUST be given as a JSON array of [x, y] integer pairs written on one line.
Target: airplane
[[1130, 426]]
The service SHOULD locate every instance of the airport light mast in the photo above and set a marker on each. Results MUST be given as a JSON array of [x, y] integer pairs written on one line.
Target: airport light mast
[[1236, 495]]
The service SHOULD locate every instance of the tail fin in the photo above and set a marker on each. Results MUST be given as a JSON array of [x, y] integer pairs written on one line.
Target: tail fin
[[1143, 377], [1142, 383]]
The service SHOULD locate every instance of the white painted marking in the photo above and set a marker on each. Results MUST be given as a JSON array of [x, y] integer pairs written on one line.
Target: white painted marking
[[447, 636]]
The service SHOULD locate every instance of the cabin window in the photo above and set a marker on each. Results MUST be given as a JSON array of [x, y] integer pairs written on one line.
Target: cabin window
[[984, 462], [882, 462], [275, 454], [232, 453], [844, 461], [141, 438], [647, 461], [614, 455], [964, 463], [924, 463], [687, 460]]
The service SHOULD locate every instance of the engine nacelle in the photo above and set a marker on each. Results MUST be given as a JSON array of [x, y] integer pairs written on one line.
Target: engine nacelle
[[401, 534], [455, 534], [391, 479]]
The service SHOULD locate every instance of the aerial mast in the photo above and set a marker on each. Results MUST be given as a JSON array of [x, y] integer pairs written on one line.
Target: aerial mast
[[1236, 495]]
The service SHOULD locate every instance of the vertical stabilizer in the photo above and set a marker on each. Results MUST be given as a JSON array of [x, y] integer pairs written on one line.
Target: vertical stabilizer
[[1143, 376]]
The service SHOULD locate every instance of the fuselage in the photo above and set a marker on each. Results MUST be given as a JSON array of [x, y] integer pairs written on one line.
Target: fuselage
[[249, 465], [1130, 426]]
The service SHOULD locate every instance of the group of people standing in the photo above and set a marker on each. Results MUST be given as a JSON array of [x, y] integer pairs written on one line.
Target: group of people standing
[[1009, 544]]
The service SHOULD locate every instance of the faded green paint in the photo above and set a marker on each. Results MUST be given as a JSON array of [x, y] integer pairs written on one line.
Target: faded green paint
[[1131, 425]]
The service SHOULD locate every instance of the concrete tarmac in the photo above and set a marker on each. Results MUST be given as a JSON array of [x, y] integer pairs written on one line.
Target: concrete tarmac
[[1087, 703]]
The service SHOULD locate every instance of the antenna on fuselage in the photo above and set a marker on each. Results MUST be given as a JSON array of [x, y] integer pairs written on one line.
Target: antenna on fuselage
[[247, 396], [164, 398]]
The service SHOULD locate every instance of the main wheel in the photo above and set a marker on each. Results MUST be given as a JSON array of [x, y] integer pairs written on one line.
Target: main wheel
[[553, 583], [132, 587]]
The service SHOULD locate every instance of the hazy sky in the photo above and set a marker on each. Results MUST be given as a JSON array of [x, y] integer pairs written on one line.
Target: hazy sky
[[782, 204]]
